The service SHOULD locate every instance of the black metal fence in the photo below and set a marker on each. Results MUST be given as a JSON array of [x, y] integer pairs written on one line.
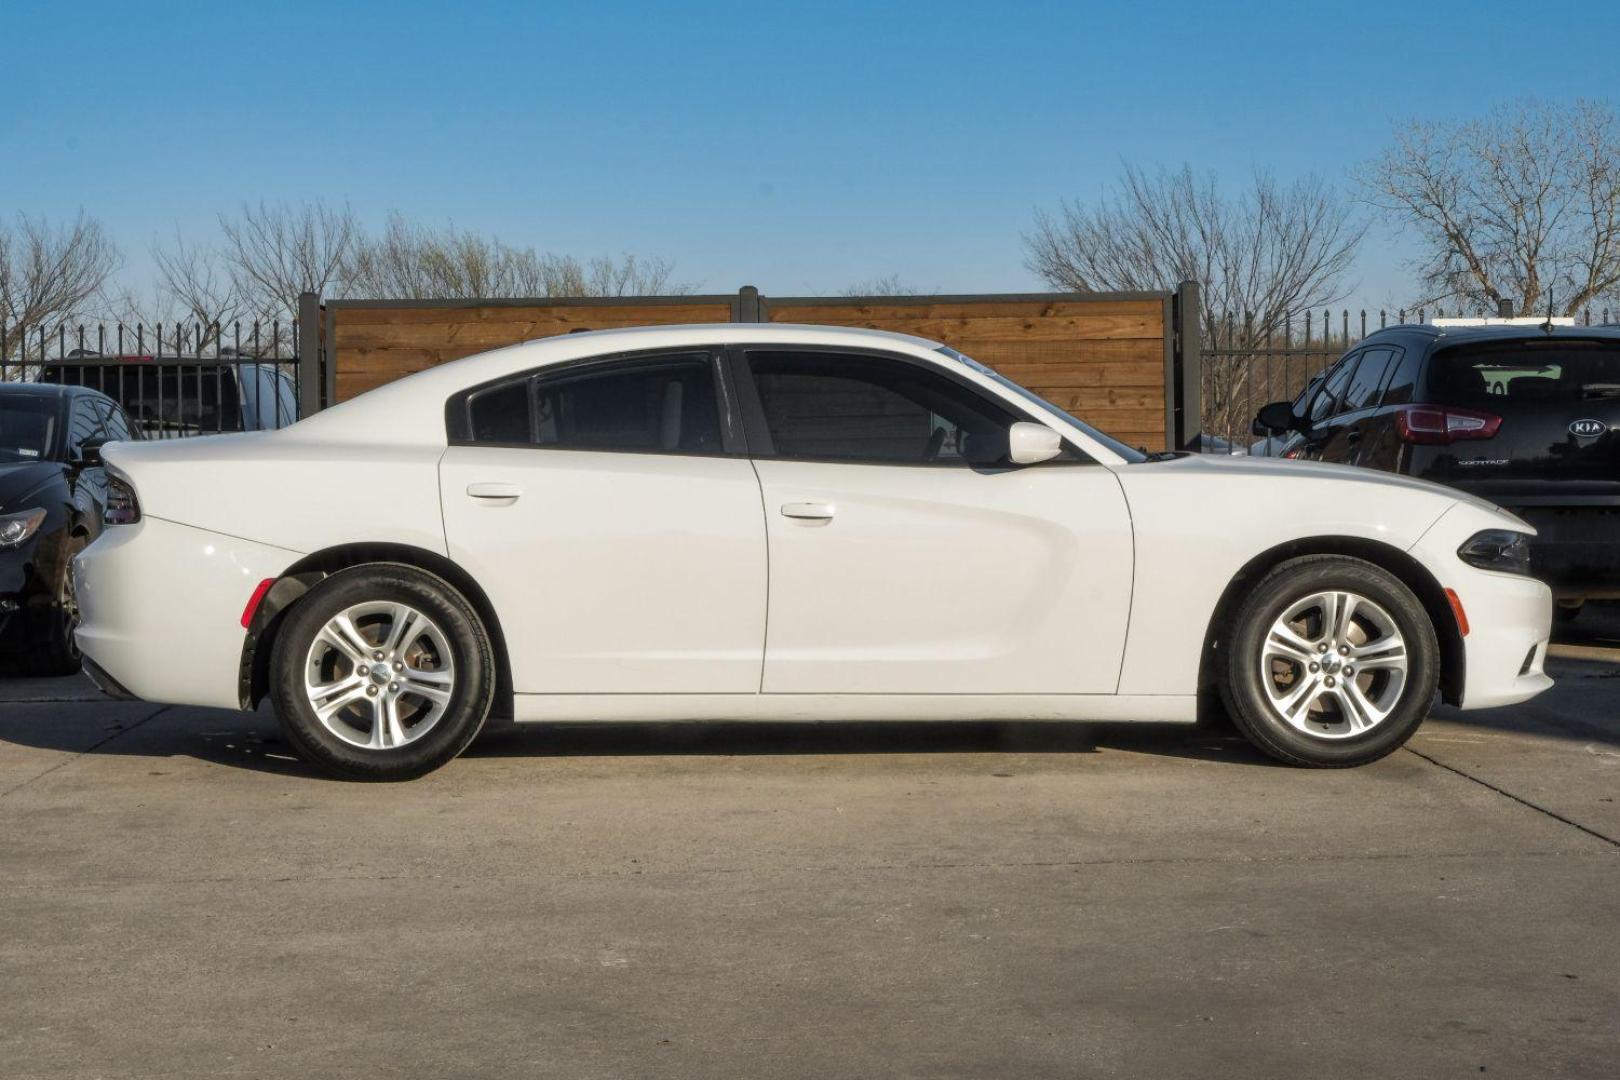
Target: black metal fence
[[173, 381], [1247, 363]]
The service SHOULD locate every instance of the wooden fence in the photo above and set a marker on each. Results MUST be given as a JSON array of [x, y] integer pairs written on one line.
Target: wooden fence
[[1126, 363]]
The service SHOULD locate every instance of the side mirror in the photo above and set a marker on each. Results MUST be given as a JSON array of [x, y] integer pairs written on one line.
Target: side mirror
[[1030, 443], [1276, 419], [90, 453]]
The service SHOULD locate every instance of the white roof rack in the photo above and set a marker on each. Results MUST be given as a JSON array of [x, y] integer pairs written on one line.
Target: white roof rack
[[1526, 320]]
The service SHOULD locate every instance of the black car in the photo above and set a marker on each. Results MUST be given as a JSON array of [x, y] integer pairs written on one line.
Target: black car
[[1522, 415], [52, 494]]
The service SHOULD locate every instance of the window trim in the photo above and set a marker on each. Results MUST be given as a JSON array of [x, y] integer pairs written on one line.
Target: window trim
[[458, 415], [758, 432]]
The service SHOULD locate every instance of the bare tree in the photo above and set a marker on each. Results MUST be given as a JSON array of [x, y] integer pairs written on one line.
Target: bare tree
[[1260, 255], [888, 285], [49, 273], [274, 252], [1523, 204], [408, 261]]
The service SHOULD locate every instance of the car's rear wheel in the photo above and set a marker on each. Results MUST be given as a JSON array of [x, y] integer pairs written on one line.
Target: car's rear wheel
[[382, 672], [1332, 662]]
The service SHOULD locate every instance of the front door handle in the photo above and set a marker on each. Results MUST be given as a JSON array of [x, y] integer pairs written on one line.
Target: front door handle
[[809, 511], [495, 492]]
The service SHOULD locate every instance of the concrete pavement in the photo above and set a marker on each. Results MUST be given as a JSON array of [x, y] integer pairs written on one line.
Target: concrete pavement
[[180, 897]]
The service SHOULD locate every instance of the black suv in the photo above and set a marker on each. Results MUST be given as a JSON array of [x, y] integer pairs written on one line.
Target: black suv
[[1520, 415]]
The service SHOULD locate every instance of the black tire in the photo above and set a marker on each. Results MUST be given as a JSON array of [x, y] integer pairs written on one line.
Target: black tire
[[470, 696], [1567, 612], [51, 649], [1246, 698]]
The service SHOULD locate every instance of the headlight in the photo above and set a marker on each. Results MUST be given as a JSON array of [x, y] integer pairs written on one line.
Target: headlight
[[1498, 549], [15, 528], [122, 507]]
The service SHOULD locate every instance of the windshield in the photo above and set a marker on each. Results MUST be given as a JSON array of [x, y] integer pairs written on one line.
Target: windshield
[[1126, 453], [27, 428]]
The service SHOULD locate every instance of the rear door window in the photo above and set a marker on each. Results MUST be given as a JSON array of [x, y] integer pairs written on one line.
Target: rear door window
[[662, 404], [1364, 386], [1402, 386]]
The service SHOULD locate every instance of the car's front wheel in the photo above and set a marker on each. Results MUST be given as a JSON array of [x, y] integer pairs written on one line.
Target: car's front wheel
[[382, 672], [1332, 661]]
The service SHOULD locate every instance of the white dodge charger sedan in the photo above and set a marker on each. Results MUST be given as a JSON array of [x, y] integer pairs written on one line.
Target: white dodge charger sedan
[[782, 523]]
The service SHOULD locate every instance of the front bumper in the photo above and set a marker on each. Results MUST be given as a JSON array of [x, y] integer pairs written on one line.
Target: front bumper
[[160, 609], [1509, 615]]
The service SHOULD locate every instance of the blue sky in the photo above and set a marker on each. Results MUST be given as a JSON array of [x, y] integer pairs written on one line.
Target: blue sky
[[800, 148]]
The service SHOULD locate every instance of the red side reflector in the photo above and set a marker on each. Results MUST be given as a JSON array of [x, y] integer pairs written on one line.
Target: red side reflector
[[264, 586], [1457, 610]]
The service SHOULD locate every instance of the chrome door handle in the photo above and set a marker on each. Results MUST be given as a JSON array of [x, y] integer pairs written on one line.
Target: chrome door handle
[[809, 511], [495, 492]]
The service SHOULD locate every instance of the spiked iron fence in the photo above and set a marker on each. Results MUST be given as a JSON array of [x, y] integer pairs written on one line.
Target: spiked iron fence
[[173, 380]]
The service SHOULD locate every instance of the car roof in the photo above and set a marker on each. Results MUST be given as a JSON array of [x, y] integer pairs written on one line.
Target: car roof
[[1497, 334], [35, 390], [730, 332]]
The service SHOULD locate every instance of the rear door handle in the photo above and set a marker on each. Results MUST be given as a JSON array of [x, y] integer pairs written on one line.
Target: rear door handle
[[495, 492], [809, 511]]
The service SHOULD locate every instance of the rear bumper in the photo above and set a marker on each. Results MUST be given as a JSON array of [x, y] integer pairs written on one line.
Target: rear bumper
[[160, 610]]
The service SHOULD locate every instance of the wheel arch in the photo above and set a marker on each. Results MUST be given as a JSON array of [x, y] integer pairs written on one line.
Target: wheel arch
[[1413, 574], [304, 574]]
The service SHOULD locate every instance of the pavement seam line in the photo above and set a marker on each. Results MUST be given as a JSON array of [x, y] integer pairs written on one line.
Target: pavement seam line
[[153, 715], [1521, 800]]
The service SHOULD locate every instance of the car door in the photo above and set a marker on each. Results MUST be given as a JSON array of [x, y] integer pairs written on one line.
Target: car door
[[1322, 437], [1349, 427], [906, 556], [608, 510]]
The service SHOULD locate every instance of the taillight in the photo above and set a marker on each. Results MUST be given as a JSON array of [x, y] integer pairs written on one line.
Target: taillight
[[1435, 426], [122, 506]]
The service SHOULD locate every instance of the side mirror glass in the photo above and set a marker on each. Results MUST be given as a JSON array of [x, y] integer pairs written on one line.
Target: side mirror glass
[[1030, 443], [1276, 419]]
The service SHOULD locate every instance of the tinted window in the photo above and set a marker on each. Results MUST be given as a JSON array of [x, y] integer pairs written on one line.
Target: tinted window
[[1403, 382], [84, 424], [501, 414], [661, 405], [1533, 371], [27, 428], [1368, 379], [1325, 404], [116, 424], [875, 409]]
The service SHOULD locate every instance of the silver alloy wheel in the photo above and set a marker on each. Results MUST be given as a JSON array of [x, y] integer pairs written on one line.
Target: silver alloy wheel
[[1334, 665], [379, 675]]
